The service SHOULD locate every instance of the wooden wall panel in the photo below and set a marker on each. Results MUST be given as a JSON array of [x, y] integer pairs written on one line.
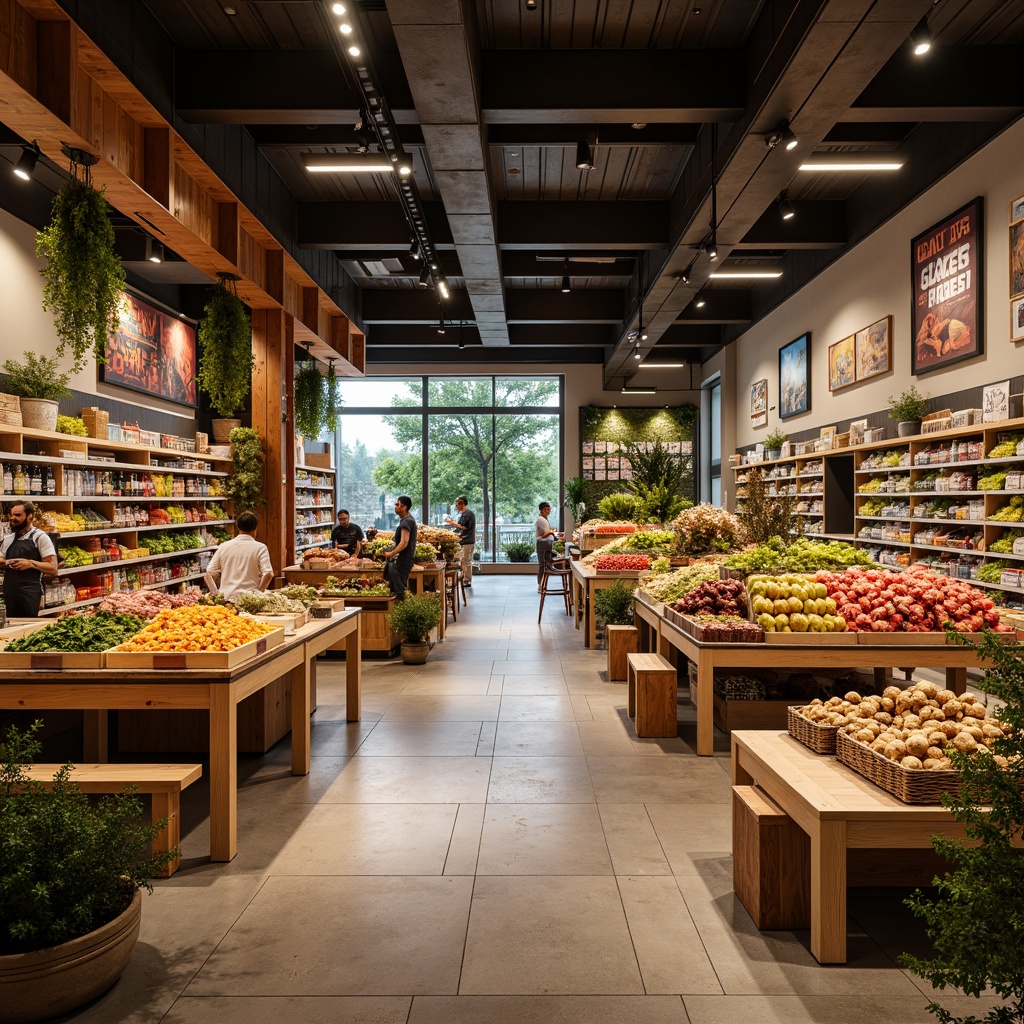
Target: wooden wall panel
[[193, 206], [156, 170], [19, 49], [250, 258], [273, 273], [227, 243], [55, 54]]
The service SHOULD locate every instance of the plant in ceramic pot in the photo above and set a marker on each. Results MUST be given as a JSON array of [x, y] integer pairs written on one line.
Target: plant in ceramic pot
[[518, 550], [413, 619], [614, 604], [774, 441], [70, 875], [225, 356], [39, 386], [245, 485], [84, 277], [908, 409]]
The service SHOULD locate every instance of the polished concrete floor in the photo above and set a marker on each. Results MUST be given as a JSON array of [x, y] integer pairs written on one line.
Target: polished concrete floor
[[491, 843]]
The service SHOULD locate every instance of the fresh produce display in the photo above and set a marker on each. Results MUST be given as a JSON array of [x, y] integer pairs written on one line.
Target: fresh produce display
[[1011, 512], [670, 586], [426, 553], [339, 559], [349, 590], [80, 633], [147, 603], [303, 594], [871, 486], [993, 481], [728, 629], [606, 528], [72, 425], [705, 528], [447, 542], [793, 604], [715, 597], [375, 548], [803, 555], [916, 727], [992, 572], [916, 600], [1004, 544], [265, 602], [73, 556], [198, 628], [622, 563], [873, 507], [648, 540], [1006, 447], [179, 540]]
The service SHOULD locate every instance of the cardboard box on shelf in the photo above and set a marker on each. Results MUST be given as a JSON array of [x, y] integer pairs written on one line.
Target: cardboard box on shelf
[[320, 460], [96, 422]]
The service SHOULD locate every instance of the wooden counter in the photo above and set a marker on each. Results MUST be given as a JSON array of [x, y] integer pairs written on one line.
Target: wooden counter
[[586, 582]]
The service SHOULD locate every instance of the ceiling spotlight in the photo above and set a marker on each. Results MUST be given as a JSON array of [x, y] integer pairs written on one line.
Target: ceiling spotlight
[[638, 354], [584, 156], [785, 207], [26, 165], [345, 28], [713, 249], [566, 288], [425, 276], [230, 10], [921, 38], [638, 125], [462, 343], [531, 5], [442, 287], [414, 249], [338, 9], [154, 250], [440, 326], [346, 163], [699, 302], [354, 51], [783, 135]]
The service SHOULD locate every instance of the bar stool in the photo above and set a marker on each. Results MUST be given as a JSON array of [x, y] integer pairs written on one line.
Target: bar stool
[[462, 585], [451, 593], [559, 568]]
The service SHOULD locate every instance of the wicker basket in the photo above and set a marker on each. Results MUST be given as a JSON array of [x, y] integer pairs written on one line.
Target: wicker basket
[[910, 786], [814, 735]]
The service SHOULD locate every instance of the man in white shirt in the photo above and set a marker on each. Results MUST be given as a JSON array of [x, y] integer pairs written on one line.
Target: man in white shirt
[[546, 538], [242, 563]]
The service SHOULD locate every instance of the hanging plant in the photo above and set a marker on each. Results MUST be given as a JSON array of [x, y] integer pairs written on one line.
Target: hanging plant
[[245, 485], [334, 402], [83, 274], [225, 350], [312, 413]]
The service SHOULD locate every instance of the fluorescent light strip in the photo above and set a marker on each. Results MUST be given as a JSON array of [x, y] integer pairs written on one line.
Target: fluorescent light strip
[[751, 274], [639, 391], [662, 366], [346, 163], [851, 165]]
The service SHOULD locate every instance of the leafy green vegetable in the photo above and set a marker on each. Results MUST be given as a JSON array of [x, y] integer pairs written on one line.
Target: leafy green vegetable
[[79, 633]]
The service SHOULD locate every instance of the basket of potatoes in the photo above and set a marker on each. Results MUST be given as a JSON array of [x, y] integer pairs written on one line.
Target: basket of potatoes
[[815, 725], [904, 746]]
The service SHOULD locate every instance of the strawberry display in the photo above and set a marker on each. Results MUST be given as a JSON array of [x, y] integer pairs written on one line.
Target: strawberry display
[[605, 528], [715, 597], [622, 563]]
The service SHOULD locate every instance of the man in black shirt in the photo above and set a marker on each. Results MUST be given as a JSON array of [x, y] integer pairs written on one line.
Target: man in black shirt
[[466, 526], [400, 558], [347, 535]]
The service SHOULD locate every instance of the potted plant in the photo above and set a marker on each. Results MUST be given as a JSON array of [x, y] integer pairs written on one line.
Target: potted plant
[[518, 550], [619, 506], [70, 875], [773, 443], [575, 488], [84, 277], [39, 386], [313, 411], [763, 515], [413, 619], [614, 604], [225, 356], [245, 485], [908, 409]]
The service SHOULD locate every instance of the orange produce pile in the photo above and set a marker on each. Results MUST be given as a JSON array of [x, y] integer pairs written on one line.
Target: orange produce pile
[[197, 628]]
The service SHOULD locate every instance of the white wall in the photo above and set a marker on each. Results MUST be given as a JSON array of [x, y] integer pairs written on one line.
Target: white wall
[[872, 281], [27, 327]]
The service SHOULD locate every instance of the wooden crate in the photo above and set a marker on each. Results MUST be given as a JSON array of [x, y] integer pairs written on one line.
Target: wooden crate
[[749, 714], [375, 632], [319, 460], [51, 660], [96, 421], [289, 621], [117, 658]]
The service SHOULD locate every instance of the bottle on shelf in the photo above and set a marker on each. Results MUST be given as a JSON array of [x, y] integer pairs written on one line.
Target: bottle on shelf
[[20, 481], [8, 479], [35, 485], [50, 483]]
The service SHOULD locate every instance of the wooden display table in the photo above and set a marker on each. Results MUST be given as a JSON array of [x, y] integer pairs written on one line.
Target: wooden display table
[[586, 582], [882, 658], [217, 690], [421, 580], [648, 619], [838, 810]]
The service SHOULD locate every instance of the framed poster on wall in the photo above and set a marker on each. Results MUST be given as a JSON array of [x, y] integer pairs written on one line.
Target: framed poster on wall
[[795, 377], [946, 290], [152, 352], [759, 402], [874, 349], [842, 368]]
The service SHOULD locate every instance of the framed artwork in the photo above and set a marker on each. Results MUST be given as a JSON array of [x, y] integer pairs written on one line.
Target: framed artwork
[[995, 402], [874, 349], [795, 377], [842, 367], [1017, 209], [759, 397], [1017, 319], [1017, 258], [858, 428], [946, 290], [152, 352], [827, 437]]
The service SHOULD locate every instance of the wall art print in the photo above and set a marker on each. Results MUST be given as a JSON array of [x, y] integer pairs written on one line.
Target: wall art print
[[1017, 319], [795, 377], [874, 349], [759, 402], [946, 290], [152, 352], [842, 366]]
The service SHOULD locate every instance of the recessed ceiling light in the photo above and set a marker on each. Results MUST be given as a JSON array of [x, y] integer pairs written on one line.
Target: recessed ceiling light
[[345, 28], [230, 10], [846, 163], [751, 274], [638, 125], [338, 9], [354, 51]]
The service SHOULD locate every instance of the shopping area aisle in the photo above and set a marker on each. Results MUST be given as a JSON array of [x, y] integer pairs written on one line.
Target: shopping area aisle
[[490, 844]]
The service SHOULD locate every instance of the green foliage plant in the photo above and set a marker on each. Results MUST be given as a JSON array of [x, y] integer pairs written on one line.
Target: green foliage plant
[[775, 440], [976, 918], [909, 405], [67, 867], [415, 617], [654, 463], [72, 425], [36, 377], [518, 550], [83, 274], [763, 515], [226, 360], [575, 488], [618, 506], [312, 413], [657, 504], [614, 604], [245, 485]]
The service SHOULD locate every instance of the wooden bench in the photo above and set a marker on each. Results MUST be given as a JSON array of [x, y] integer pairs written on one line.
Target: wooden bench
[[652, 689], [622, 640], [163, 782]]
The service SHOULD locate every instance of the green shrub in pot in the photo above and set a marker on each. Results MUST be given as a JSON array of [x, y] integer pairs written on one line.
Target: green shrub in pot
[[614, 604], [518, 550], [415, 617], [36, 377], [618, 506]]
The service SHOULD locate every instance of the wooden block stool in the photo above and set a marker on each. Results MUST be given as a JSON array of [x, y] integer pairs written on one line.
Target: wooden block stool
[[622, 640], [771, 861], [652, 689]]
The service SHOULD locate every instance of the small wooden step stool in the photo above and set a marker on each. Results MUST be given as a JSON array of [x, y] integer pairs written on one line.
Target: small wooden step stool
[[652, 689], [622, 640]]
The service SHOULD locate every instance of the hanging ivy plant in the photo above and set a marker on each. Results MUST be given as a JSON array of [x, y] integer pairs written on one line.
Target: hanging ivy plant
[[245, 485], [83, 274], [312, 412], [225, 350]]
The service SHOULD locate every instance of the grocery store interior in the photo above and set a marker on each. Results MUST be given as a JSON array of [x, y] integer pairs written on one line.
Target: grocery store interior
[[737, 287]]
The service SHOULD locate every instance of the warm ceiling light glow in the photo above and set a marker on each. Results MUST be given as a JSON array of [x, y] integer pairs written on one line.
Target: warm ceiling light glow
[[584, 156], [751, 274], [338, 9], [345, 163], [354, 51], [566, 287], [442, 287], [638, 354], [345, 28], [663, 366], [786, 207], [26, 165], [921, 38], [699, 302], [154, 251], [845, 163], [639, 391]]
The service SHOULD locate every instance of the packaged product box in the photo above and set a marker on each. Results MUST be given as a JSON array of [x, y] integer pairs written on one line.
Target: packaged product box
[[96, 421]]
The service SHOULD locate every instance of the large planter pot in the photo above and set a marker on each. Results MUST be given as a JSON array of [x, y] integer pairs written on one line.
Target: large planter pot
[[772, 454], [39, 413], [415, 654], [47, 982], [222, 430], [908, 428]]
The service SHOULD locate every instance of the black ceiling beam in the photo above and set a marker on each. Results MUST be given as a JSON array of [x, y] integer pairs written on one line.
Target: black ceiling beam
[[388, 306], [721, 306], [607, 225], [608, 134], [484, 354], [521, 335], [278, 87], [816, 224], [301, 136], [952, 83], [593, 306], [594, 86], [368, 226], [858, 133], [686, 336]]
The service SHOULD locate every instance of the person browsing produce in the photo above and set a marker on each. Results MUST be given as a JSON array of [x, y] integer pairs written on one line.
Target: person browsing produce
[[242, 563], [347, 535], [466, 526], [26, 555], [399, 559], [546, 538]]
